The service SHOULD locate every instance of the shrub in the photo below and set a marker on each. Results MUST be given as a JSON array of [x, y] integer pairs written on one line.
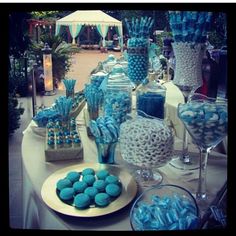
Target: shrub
[[14, 114]]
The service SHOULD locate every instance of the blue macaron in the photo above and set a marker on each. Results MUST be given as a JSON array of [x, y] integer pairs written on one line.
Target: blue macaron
[[91, 191], [88, 171], [100, 185], [102, 199], [67, 194], [82, 200], [80, 186], [112, 179], [102, 174], [113, 190], [73, 176], [89, 179], [63, 183]]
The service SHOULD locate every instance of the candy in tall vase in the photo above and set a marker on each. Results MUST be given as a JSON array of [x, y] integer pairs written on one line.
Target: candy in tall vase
[[138, 46], [188, 69]]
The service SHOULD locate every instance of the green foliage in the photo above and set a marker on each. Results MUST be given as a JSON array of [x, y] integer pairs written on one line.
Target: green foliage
[[216, 39], [14, 114], [18, 33], [19, 85], [160, 37], [61, 54], [44, 14], [218, 33]]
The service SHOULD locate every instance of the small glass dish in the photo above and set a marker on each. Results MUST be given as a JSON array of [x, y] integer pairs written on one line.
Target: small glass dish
[[165, 207]]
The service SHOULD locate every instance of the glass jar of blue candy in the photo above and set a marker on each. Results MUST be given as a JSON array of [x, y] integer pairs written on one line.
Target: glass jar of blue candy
[[151, 98], [118, 95], [138, 60], [165, 207]]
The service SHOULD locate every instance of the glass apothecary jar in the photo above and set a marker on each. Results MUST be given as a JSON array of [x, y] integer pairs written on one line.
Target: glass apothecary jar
[[151, 97], [109, 63], [118, 95]]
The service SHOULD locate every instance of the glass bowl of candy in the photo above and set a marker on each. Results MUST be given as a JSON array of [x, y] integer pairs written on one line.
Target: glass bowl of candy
[[165, 207], [146, 143]]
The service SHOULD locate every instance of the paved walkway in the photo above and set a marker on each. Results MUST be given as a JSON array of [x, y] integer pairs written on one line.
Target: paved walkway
[[84, 62]]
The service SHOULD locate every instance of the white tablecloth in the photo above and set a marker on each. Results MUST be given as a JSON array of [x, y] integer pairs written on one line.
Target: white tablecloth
[[35, 171]]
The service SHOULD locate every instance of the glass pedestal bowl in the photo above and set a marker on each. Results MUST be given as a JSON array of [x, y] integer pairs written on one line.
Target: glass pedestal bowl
[[165, 207], [147, 144]]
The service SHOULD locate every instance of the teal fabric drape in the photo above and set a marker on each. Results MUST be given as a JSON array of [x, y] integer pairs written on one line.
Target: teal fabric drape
[[58, 27], [74, 31], [99, 29], [103, 29], [120, 34]]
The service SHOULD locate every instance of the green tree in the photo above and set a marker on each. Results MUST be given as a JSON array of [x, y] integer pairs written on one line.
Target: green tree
[[18, 33], [44, 14], [218, 30], [61, 53]]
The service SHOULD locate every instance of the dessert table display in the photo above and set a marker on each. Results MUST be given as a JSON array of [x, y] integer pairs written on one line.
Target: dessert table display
[[38, 214], [36, 171], [96, 149]]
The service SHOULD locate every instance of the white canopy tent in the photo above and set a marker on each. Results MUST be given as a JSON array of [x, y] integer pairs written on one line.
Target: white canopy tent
[[97, 18]]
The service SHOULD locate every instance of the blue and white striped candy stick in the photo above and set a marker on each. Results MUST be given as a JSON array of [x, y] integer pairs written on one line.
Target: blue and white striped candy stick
[[133, 27], [141, 28], [112, 127], [69, 84], [94, 129], [128, 26], [106, 135], [150, 25]]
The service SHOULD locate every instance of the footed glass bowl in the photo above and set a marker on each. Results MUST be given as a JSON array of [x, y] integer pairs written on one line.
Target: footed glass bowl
[[165, 207]]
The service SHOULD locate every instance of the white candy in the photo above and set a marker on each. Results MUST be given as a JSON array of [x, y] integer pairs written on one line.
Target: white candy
[[188, 64], [188, 113], [146, 142], [214, 117]]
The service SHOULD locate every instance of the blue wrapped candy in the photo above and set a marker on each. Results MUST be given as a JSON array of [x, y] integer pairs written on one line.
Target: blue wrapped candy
[[207, 122], [189, 26], [43, 116], [106, 132], [166, 213]]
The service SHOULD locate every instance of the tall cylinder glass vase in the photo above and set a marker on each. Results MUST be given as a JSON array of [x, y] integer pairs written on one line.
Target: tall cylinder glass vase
[[106, 152], [187, 77], [138, 60]]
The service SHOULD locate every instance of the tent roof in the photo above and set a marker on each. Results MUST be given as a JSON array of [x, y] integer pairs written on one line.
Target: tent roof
[[89, 18]]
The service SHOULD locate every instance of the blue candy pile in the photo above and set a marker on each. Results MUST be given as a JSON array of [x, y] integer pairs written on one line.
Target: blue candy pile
[[63, 105], [94, 97], [138, 59], [152, 104], [189, 26], [43, 116], [165, 213], [69, 84], [206, 122], [96, 79], [117, 104], [104, 129]]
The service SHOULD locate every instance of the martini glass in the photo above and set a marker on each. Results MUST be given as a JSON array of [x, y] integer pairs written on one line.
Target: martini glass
[[206, 120]]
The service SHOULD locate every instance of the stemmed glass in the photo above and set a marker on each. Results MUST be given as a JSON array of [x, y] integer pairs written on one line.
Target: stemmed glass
[[146, 143], [206, 120], [184, 161]]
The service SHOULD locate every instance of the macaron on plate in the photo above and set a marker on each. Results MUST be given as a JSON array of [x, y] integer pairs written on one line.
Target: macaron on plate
[[64, 201]]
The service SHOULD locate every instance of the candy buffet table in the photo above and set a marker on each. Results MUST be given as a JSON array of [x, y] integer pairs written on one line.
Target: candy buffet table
[[37, 215]]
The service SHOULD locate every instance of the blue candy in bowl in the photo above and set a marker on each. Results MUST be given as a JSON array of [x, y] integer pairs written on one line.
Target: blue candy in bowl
[[165, 207]]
